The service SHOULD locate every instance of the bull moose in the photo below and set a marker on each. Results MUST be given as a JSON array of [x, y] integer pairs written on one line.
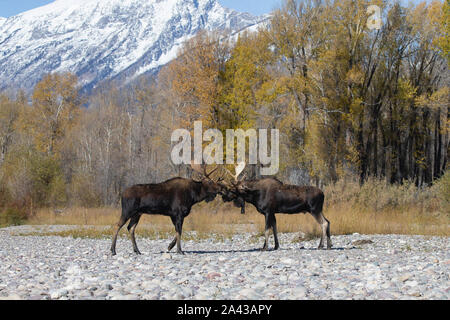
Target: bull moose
[[173, 198], [270, 196]]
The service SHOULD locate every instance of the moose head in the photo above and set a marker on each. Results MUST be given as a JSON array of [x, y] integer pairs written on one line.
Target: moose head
[[210, 187], [235, 189]]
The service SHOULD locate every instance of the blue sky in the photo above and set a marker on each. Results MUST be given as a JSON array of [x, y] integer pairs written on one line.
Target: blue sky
[[256, 7], [12, 7]]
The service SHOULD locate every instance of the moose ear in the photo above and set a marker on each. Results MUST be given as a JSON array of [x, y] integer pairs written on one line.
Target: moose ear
[[196, 179]]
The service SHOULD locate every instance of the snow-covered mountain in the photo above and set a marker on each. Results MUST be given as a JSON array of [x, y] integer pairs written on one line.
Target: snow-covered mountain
[[104, 39]]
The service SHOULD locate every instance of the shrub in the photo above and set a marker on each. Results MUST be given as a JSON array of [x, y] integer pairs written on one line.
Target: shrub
[[48, 180], [84, 192], [442, 189], [12, 217], [377, 194]]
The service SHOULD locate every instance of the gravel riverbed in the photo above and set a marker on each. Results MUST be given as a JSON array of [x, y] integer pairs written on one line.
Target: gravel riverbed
[[358, 267]]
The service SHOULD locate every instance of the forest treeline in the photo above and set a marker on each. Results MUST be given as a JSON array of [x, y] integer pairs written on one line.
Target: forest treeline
[[350, 103]]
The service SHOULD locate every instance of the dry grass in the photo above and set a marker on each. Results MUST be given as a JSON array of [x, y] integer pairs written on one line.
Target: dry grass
[[374, 208], [223, 220]]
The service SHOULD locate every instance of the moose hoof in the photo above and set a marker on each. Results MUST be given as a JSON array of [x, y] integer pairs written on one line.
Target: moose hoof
[[137, 252], [181, 252], [264, 249], [276, 247], [171, 245]]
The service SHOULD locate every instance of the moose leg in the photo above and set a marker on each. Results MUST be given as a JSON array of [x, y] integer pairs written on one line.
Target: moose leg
[[172, 244], [132, 227], [120, 224], [178, 228], [275, 233], [174, 241], [178, 223], [266, 232], [325, 224], [328, 233]]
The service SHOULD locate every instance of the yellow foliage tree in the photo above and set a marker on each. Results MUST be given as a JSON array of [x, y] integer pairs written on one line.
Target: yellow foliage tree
[[55, 109], [195, 77]]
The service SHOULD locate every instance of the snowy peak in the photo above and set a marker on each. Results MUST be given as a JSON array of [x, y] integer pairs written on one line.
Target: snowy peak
[[104, 39]]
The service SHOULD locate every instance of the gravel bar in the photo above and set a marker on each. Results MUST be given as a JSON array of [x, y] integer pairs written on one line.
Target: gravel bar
[[358, 267]]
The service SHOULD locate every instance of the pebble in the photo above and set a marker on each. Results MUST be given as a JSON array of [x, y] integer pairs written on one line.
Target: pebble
[[405, 277], [411, 283], [58, 293], [250, 294], [213, 275], [299, 292], [40, 268], [166, 256]]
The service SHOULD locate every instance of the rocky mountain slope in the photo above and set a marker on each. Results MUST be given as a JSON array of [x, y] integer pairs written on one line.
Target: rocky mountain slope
[[105, 39]]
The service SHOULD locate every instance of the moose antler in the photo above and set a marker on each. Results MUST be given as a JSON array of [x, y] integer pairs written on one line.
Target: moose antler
[[238, 170], [201, 169]]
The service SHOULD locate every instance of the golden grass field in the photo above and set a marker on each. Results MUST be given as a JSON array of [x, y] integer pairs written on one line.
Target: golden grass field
[[374, 208], [226, 220]]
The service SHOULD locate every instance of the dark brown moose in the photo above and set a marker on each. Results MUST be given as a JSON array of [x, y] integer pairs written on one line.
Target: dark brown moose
[[173, 198], [270, 196]]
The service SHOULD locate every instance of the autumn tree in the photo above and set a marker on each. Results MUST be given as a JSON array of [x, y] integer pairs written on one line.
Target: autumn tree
[[444, 39], [195, 76], [350, 102], [55, 109], [9, 114]]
